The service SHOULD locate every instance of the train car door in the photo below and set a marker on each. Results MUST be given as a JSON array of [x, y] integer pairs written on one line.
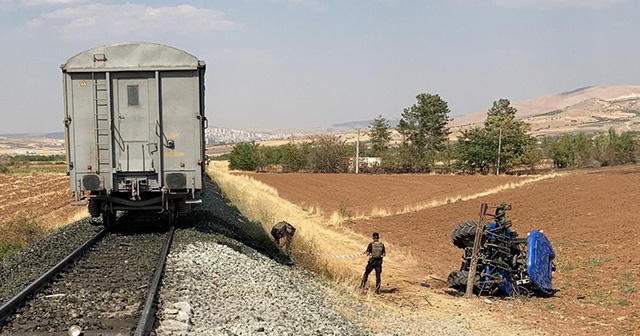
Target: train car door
[[134, 116]]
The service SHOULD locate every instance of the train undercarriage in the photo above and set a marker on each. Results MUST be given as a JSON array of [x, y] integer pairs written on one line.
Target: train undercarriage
[[168, 205]]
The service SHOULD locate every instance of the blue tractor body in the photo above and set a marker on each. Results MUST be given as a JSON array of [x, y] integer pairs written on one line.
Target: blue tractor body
[[507, 264], [539, 261]]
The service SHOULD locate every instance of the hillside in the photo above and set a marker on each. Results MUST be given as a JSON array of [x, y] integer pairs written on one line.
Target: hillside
[[589, 109]]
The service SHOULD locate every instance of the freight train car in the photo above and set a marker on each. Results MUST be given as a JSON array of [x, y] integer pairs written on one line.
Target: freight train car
[[134, 129]]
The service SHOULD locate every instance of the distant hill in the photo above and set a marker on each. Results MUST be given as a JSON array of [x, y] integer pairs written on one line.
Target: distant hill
[[354, 125], [53, 135], [544, 104], [589, 116], [590, 109]]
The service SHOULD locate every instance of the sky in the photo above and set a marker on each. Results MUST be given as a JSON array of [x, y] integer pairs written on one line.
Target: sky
[[302, 64]]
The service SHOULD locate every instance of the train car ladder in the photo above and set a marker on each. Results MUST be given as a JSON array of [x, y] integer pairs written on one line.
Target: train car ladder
[[103, 128]]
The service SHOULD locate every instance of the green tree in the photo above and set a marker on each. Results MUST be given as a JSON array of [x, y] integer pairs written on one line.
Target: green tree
[[379, 136], [475, 151], [423, 127], [558, 149], [500, 113], [502, 143], [614, 149], [446, 158], [293, 157], [532, 155], [329, 154], [568, 150], [245, 156], [266, 156], [509, 137]]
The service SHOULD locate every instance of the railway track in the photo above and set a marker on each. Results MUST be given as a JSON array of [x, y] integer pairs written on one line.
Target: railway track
[[108, 290]]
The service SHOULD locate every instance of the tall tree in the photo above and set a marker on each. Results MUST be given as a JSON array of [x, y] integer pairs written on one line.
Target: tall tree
[[379, 136], [424, 129], [500, 113], [510, 138]]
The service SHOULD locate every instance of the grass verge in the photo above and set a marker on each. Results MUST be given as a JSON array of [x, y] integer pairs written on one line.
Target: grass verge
[[18, 232], [261, 204]]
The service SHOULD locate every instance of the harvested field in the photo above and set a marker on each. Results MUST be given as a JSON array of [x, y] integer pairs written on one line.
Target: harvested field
[[43, 197], [590, 216]]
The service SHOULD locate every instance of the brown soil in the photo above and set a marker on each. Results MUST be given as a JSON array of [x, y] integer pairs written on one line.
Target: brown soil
[[44, 197], [590, 216], [359, 194]]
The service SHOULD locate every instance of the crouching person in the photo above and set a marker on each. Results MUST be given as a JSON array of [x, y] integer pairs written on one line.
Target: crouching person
[[283, 233]]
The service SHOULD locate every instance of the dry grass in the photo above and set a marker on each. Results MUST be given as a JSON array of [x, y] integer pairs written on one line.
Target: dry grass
[[28, 214], [261, 203]]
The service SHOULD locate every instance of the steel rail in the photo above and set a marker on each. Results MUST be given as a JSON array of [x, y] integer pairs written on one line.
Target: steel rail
[[146, 319], [9, 306]]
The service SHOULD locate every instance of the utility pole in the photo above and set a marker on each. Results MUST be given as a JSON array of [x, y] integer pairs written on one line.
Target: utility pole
[[471, 278], [499, 148], [358, 152]]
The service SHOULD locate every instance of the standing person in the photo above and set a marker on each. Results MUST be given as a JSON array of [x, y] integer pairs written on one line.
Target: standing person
[[283, 230], [376, 252]]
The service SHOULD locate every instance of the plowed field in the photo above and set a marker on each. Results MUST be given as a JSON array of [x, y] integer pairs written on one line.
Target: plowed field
[[591, 217]]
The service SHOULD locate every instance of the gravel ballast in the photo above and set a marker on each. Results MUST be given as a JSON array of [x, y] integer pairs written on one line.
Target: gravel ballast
[[23, 267], [227, 292]]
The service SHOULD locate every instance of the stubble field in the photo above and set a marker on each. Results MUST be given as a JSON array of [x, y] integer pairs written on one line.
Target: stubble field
[[41, 198], [590, 216]]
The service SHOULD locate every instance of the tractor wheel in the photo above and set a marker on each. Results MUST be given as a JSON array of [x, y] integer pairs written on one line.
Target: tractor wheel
[[464, 234], [458, 281]]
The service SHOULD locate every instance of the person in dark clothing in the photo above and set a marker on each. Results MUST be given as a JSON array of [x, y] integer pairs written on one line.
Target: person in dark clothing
[[375, 251], [283, 230]]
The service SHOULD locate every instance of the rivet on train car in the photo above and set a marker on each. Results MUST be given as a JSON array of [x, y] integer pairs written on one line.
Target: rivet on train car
[[181, 164]]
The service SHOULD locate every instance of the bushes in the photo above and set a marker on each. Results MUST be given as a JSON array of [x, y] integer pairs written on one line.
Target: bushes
[[7, 249], [18, 232], [578, 150], [476, 151], [5, 163], [30, 163]]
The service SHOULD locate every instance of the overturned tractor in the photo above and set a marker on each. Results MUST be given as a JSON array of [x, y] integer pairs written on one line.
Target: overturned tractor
[[506, 264]]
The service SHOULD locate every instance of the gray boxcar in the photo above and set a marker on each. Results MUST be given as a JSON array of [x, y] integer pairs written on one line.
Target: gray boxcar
[[134, 126]]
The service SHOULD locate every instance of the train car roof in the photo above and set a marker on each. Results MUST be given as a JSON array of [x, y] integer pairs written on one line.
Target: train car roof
[[132, 56]]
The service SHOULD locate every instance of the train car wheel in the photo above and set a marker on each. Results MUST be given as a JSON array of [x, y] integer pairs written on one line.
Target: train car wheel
[[109, 219]]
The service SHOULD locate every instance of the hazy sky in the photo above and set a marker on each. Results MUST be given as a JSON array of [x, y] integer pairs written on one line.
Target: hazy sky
[[296, 64]]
